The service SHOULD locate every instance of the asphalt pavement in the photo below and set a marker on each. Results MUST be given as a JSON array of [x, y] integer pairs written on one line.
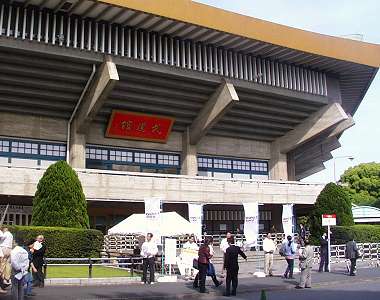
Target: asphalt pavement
[[336, 285]]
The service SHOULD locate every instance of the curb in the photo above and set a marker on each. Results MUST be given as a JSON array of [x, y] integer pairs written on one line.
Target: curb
[[91, 281]]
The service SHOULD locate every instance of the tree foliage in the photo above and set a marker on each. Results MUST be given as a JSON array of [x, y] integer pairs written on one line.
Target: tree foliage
[[333, 199], [59, 200], [363, 183]]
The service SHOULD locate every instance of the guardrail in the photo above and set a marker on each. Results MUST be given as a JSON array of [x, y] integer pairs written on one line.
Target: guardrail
[[369, 252], [128, 262]]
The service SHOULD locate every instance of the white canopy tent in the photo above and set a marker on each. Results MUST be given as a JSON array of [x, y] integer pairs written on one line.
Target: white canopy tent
[[172, 224]]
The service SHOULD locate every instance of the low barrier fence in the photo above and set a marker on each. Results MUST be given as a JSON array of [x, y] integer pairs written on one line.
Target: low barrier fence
[[130, 263], [368, 252]]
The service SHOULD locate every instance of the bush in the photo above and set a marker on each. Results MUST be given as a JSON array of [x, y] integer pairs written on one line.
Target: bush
[[360, 233], [59, 199], [63, 242], [333, 199]]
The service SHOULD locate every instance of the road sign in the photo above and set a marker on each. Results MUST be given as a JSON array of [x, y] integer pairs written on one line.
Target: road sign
[[329, 220]]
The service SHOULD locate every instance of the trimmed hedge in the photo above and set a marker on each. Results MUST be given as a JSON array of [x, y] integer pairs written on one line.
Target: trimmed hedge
[[360, 233], [63, 242], [59, 200]]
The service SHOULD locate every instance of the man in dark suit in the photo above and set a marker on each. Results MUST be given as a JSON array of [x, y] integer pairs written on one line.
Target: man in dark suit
[[324, 254], [232, 266], [352, 254]]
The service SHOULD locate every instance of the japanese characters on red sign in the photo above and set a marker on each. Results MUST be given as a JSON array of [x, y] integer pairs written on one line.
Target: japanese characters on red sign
[[137, 126]]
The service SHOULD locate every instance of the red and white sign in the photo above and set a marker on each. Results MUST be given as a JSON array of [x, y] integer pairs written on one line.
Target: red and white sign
[[137, 126], [329, 220]]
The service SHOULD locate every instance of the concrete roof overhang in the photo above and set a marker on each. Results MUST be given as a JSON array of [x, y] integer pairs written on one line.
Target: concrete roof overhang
[[354, 63], [33, 74]]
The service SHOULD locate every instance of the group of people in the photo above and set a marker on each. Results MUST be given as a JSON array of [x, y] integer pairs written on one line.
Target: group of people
[[205, 266], [289, 249], [21, 264]]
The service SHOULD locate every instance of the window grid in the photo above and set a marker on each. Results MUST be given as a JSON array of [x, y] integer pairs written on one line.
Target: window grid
[[234, 165], [52, 150], [24, 147], [127, 156], [32, 149], [4, 146]]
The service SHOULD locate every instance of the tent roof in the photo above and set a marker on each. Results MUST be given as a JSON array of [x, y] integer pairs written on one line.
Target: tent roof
[[172, 224]]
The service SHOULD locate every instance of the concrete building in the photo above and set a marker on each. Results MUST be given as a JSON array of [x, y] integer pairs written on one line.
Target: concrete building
[[252, 106]]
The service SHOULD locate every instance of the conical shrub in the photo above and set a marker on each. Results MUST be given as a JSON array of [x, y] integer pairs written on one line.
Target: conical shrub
[[59, 200]]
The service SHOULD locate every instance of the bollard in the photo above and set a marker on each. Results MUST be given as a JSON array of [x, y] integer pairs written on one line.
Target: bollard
[[45, 268], [90, 268], [263, 296]]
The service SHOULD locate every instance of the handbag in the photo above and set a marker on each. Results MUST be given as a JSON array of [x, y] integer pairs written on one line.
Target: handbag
[[195, 263], [210, 270]]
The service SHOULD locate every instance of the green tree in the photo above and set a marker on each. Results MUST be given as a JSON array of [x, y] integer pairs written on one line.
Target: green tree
[[59, 200], [333, 199], [363, 183]]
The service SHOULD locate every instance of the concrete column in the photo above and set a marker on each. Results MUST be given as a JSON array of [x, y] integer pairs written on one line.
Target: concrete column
[[291, 164], [278, 167], [189, 156], [77, 157]]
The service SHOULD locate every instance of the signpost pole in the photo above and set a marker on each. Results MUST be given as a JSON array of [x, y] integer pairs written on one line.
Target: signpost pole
[[328, 247]]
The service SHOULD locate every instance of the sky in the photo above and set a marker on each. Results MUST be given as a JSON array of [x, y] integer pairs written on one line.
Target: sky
[[338, 18]]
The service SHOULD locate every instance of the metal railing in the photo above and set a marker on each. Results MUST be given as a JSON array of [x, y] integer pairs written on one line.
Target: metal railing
[[368, 252], [130, 263]]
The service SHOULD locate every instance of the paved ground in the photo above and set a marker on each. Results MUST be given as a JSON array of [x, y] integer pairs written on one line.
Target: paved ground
[[326, 286]]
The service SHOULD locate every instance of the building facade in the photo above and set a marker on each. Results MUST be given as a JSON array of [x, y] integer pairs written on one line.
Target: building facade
[[251, 109]]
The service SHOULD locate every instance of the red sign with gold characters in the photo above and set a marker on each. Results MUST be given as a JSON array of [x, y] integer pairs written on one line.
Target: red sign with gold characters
[[137, 126]]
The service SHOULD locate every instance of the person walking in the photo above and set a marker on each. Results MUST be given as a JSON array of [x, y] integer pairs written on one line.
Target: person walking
[[289, 249], [211, 269], [20, 264], [38, 255], [352, 253], [149, 251], [28, 279], [6, 245], [232, 266], [323, 253], [204, 257], [269, 247], [306, 263], [223, 246]]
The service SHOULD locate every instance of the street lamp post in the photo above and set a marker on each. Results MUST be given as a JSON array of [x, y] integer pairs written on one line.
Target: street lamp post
[[350, 157]]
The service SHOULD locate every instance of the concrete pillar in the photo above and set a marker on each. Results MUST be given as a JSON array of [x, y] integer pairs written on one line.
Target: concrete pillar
[[189, 156], [291, 164], [77, 157], [278, 167]]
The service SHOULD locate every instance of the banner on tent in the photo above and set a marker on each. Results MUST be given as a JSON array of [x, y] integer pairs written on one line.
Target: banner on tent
[[170, 251], [251, 222], [195, 218], [152, 217], [287, 219]]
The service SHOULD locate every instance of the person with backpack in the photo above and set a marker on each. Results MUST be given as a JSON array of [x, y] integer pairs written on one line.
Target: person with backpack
[[288, 250]]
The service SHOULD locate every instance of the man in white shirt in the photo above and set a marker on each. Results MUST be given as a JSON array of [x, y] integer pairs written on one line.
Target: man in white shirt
[[223, 246], [148, 251], [20, 265], [6, 244], [269, 247]]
